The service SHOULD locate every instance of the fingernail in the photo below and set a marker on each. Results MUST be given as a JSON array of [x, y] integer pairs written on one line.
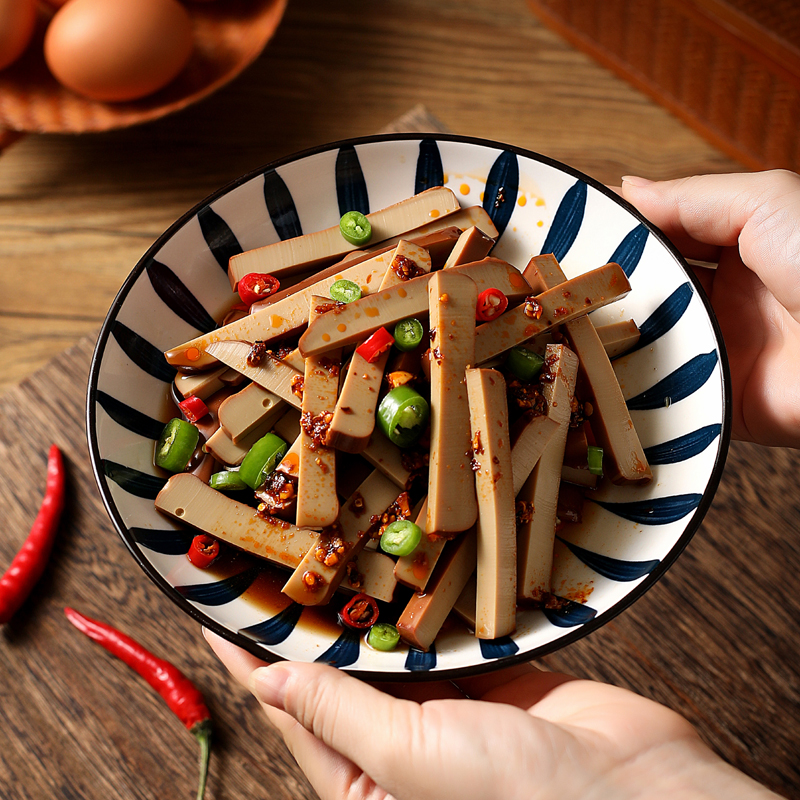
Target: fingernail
[[268, 684], [635, 181]]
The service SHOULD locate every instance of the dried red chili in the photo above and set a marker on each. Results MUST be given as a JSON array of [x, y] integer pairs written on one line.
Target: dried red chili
[[360, 612], [179, 693], [203, 551], [31, 560]]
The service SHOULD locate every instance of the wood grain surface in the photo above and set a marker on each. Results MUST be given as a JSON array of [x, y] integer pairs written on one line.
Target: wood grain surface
[[715, 639]]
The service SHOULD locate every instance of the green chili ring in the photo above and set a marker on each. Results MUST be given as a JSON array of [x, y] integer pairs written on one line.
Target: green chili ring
[[355, 228], [403, 415], [261, 459], [176, 445]]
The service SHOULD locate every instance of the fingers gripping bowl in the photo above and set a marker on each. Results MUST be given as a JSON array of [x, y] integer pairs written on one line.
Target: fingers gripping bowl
[[605, 554]]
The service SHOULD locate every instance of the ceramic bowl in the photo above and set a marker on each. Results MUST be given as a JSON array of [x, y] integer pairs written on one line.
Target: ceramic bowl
[[674, 381]]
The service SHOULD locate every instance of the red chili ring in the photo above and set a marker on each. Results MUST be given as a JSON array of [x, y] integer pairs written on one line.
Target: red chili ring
[[360, 612], [203, 550]]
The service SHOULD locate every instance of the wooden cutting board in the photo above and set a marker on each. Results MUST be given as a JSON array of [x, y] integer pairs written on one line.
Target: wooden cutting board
[[715, 639]]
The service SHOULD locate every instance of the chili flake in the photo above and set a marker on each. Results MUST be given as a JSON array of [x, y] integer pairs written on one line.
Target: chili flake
[[405, 268], [532, 308]]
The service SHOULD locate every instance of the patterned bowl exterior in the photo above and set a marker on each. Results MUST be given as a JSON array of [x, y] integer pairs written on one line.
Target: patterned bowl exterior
[[675, 383]]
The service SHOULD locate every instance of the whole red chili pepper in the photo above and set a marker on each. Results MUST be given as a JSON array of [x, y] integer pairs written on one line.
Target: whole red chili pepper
[[29, 563], [180, 694]]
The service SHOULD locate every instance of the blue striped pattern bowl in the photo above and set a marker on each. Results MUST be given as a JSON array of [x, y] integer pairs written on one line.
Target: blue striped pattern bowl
[[675, 383]]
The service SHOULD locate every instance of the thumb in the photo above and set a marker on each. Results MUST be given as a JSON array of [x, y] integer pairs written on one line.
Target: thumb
[[758, 212], [435, 750]]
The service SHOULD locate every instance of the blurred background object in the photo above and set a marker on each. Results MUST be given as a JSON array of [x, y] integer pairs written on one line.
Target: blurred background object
[[729, 68], [226, 38]]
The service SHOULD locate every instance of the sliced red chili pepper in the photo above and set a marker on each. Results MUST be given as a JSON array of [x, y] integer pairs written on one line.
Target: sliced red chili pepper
[[257, 286], [378, 343], [31, 560], [360, 612], [193, 408], [203, 551], [179, 693], [491, 304]]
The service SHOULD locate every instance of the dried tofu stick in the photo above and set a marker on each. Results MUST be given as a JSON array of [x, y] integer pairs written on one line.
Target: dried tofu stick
[[472, 245], [248, 409], [193, 502], [539, 313], [530, 437], [618, 337], [388, 458], [439, 244], [452, 504], [231, 453], [288, 425], [279, 318], [301, 252], [537, 500], [323, 567], [317, 500], [354, 418], [424, 615], [372, 573], [465, 605], [270, 373], [202, 385], [415, 570], [496, 604], [359, 319], [472, 216], [611, 422]]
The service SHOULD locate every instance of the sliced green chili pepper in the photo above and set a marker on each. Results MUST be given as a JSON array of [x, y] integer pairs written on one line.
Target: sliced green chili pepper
[[345, 291], [524, 363], [176, 445], [261, 459], [227, 481], [355, 228], [403, 415], [383, 636], [401, 538], [595, 459], [408, 334]]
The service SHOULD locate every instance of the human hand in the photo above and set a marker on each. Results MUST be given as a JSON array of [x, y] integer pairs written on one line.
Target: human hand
[[749, 225], [527, 734]]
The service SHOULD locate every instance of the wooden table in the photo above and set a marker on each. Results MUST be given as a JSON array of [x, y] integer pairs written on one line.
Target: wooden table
[[715, 639]]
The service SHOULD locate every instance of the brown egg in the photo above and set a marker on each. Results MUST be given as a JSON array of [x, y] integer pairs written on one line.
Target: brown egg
[[17, 21], [119, 50]]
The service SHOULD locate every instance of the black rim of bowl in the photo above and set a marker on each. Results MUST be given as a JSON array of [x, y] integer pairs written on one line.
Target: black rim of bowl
[[405, 675]]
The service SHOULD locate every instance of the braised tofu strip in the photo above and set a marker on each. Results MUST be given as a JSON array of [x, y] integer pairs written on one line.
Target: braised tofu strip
[[538, 498], [358, 320], [496, 600], [612, 422], [277, 320], [452, 504], [425, 613], [294, 255], [317, 501], [542, 312]]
